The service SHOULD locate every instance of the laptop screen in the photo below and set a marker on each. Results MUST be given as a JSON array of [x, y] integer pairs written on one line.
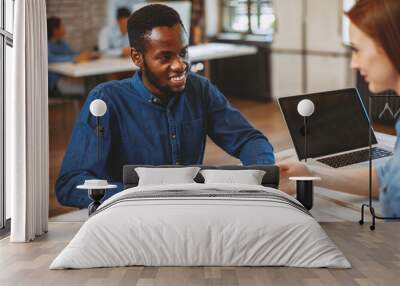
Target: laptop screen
[[339, 123]]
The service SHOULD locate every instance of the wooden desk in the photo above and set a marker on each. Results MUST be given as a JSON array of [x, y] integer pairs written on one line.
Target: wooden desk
[[332, 205], [106, 65]]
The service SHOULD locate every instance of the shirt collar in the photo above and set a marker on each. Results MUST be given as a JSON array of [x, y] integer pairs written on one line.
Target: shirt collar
[[143, 91]]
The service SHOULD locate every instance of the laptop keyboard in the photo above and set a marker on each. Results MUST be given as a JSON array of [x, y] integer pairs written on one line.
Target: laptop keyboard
[[354, 157]]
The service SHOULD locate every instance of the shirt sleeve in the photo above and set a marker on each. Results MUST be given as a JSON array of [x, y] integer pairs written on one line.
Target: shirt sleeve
[[80, 161], [54, 58], [68, 49], [389, 185], [67, 55], [230, 130], [104, 44]]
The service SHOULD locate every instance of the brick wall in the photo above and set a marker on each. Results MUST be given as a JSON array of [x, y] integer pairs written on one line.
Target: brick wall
[[83, 20]]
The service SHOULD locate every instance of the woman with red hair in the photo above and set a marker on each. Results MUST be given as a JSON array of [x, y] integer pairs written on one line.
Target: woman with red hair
[[375, 42]]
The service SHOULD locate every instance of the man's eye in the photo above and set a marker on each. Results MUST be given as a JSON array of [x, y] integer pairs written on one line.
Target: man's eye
[[165, 58]]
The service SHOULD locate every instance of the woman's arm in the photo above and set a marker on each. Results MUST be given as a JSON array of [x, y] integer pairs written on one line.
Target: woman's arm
[[354, 181]]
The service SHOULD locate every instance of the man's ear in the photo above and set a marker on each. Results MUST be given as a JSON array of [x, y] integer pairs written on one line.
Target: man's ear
[[137, 58]]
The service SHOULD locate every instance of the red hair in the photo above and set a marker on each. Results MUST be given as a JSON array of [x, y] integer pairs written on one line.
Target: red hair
[[380, 20]]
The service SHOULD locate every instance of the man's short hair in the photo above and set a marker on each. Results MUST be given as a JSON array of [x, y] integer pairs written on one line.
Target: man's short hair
[[53, 23], [148, 17], [123, 12]]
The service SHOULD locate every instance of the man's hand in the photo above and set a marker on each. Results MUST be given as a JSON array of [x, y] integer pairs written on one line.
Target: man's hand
[[126, 52], [83, 57]]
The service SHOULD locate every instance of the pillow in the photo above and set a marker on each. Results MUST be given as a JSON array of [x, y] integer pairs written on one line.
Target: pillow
[[248, 177], [163, 176]]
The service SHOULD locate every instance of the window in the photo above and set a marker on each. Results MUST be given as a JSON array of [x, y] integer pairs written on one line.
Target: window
[[254, 17], [6, 43]]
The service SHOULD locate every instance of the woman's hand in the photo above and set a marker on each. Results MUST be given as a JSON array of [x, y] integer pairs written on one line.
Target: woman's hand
[[294, 169], [291, 169]]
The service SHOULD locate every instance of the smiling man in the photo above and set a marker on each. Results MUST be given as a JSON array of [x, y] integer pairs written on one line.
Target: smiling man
[[160, 116]]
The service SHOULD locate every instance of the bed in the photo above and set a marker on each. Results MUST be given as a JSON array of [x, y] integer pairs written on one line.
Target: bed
[[201, 224]]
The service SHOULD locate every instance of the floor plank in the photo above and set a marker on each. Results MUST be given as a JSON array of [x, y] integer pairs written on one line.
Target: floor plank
[[374, 255]]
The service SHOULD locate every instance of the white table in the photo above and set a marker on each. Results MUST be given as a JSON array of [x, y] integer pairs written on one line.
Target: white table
[[105, 65], [330, 205]]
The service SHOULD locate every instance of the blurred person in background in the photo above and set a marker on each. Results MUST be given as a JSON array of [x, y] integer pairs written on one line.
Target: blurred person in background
[[60, 52], [113, 40]]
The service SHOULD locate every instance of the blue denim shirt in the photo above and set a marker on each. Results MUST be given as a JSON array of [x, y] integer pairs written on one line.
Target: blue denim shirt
[[139, 129], [58, 52], [389, 181]]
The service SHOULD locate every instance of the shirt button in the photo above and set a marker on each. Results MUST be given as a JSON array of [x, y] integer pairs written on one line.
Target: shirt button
[[155, 100], [173, 136]]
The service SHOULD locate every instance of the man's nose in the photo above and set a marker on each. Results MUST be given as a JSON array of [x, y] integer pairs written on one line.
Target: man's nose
[[179, 64]]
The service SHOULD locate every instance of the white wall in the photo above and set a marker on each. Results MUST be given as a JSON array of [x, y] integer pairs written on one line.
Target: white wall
[[315, 28], [324, 25], [327, 73], [211, 13], [288, 34], [286, 74], [286, 60], [310, 27]]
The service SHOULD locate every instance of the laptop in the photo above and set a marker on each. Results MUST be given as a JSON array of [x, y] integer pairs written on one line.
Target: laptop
[[337, 131]]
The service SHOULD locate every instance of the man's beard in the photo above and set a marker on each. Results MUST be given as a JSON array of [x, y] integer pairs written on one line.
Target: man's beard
[[153, 79]]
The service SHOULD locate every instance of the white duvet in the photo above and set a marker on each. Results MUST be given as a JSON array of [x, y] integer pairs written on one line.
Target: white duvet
[[183, 231]]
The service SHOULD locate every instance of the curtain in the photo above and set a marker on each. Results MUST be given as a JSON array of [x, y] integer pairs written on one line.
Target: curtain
[[27, 124]]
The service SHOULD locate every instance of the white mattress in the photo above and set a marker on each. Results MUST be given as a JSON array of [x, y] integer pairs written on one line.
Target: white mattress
[[190, 230]]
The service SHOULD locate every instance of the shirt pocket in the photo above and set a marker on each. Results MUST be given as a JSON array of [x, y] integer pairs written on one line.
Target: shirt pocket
[[192, 141]]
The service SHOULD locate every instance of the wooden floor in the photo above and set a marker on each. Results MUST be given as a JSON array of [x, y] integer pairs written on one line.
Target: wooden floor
[[375, 259]]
